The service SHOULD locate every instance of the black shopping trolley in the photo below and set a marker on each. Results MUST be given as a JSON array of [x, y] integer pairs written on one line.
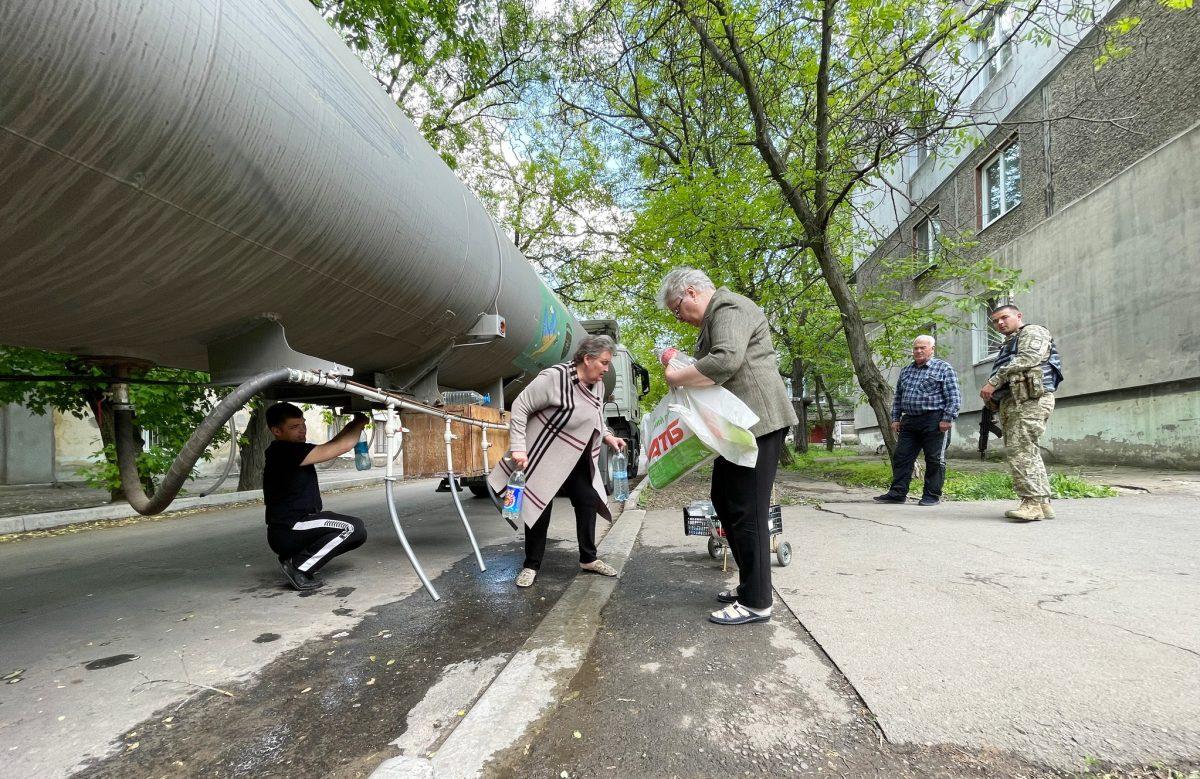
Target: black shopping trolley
[[700, 519]]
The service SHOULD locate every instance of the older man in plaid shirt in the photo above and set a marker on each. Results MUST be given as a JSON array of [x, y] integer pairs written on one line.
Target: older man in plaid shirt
[[923, 410]]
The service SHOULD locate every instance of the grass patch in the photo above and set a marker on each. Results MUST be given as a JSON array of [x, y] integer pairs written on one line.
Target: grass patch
[[959, 485], [819, 452]]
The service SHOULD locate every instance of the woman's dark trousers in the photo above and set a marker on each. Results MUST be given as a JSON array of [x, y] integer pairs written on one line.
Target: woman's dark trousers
[[742, 498], [578, 488]]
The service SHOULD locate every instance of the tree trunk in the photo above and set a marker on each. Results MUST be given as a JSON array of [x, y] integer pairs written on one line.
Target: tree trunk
[[870, 378], [817, 402], [800, 431], [832, 416], [252, 447], [814, 216]]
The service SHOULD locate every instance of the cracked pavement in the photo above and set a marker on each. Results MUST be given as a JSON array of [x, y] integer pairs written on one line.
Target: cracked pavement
[[1059, 640]]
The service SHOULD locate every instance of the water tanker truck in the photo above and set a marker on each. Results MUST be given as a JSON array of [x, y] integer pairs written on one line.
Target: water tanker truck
[[223, 187]]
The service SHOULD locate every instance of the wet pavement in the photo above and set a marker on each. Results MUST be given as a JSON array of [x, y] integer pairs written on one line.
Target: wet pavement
[[905, 643], [165, 611], [331, 707]]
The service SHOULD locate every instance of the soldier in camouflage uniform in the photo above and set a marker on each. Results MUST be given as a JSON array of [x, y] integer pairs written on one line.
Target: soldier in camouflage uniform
[[1025, 375]]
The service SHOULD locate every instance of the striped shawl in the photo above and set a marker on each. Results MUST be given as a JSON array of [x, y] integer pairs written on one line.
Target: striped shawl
[[554, 419]]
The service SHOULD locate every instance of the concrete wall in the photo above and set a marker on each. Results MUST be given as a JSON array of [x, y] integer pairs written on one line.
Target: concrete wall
[[883, 209], [1109, 232], [76, 443], [1117, 282], [26, 447]]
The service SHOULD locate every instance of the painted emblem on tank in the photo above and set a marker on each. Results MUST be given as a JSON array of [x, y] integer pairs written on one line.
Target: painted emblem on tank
[[554, 329]]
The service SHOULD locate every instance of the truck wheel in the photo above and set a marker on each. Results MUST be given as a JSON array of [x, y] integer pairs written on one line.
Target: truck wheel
[[479, 490], [631, 456]]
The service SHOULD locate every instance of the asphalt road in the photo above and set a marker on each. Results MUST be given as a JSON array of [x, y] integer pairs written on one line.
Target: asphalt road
[[906, 642], [116, 636]]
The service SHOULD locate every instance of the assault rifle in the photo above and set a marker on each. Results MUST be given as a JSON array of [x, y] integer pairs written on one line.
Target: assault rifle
[[987, 426]]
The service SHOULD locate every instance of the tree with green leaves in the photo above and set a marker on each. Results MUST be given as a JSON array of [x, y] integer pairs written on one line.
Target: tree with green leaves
[[168, 411], [825, 96]]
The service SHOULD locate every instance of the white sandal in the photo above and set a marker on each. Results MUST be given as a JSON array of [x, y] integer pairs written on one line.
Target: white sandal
[[526, 577], [737, 614]]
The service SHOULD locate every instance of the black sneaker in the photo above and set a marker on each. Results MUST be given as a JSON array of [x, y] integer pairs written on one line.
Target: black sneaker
[[300, 580], [888, 497], [928, 502]]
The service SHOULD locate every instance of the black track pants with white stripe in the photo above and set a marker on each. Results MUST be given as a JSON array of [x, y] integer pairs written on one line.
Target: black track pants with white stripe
[[315, 540]]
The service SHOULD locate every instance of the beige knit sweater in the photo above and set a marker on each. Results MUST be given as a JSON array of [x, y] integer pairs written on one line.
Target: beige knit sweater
[[554, 421]]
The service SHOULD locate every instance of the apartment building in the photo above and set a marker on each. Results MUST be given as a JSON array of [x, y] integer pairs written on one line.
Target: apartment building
[[1087, 181]]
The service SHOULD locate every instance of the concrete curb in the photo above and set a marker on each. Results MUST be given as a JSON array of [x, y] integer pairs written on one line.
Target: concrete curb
[[535, 678], [27, 522], [631, 503]]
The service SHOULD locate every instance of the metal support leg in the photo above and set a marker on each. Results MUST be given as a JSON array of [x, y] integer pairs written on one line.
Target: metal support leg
[[449, 437], [394, 431]]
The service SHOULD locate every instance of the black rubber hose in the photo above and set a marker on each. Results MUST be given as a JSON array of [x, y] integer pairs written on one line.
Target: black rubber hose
[[129, 446]]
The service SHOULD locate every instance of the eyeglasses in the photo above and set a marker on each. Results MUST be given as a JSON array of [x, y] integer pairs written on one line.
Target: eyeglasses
[[675, 309]]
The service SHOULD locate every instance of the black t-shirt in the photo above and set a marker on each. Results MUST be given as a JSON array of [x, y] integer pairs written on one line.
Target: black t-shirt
[[290, 490]]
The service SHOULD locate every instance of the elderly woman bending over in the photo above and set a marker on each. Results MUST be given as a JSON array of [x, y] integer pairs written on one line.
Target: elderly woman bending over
[[734, 350], [555, 435]]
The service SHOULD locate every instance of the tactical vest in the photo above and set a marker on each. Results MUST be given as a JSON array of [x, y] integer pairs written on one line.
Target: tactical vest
[[1051, 369]]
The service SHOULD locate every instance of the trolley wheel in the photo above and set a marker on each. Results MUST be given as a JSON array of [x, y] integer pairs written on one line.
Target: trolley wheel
[[784, 553], [714, 548]]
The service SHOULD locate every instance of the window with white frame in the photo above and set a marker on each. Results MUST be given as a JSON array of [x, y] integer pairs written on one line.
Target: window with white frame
[[151, 439], [926, 241], [995, 42], [921, 141], [1000, 183], [987, 339]]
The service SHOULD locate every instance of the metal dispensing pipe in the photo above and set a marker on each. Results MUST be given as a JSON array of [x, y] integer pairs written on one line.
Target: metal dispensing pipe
[[395, 434], [449, 437]]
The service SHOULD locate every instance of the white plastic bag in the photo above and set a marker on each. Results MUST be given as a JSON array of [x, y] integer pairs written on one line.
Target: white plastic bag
[[690, 426], [718, 418]]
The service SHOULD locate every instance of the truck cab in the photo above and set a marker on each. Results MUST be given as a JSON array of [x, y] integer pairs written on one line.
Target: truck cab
[[622, 403]]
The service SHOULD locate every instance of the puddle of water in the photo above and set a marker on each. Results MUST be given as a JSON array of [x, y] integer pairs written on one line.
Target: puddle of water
[[109, 662], [266, 638]]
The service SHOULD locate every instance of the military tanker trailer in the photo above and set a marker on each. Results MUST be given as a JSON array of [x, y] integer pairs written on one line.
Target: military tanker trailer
[[222, 186], [175, 174]]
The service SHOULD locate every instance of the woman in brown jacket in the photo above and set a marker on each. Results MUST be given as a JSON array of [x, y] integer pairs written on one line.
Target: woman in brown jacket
[[734, 351], [555, 435]]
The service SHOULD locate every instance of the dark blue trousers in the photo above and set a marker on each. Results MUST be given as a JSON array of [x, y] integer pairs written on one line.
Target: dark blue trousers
[[919, 433]]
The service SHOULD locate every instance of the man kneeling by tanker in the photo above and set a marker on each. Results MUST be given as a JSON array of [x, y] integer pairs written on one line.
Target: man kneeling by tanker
[[1025, 375], [298, 529]]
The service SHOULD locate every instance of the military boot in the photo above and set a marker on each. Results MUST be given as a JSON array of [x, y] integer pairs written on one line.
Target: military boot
[[1030, 510], [1047, 512]]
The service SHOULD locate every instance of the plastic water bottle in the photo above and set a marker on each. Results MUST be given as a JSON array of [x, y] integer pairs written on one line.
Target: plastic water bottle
[[362, 453], [465, 398], [513, 497], [620, 477]]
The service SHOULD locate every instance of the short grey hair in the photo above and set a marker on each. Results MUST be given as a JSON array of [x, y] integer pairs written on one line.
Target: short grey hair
[[594, 346], [675, 282], [925, 337]]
